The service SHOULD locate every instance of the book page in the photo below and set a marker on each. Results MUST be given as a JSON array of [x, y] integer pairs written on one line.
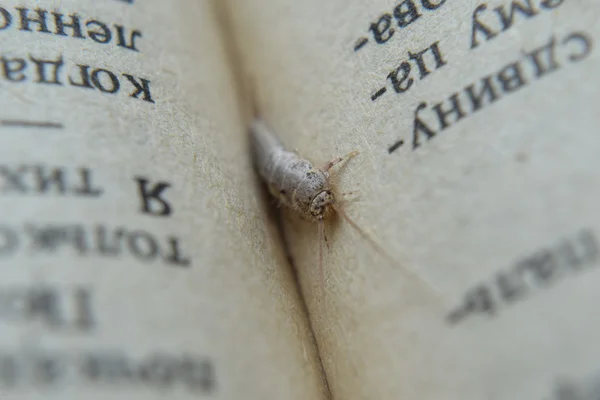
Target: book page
[[478, 173], [135, 251]]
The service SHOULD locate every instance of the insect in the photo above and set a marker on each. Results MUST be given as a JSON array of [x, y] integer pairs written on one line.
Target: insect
[[298, 184]]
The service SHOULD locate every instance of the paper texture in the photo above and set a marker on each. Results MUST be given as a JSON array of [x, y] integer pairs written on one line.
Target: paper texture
[[136, 257], [478, 171]]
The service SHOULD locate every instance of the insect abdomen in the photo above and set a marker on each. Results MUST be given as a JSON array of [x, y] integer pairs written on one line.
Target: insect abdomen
[[291, 179]]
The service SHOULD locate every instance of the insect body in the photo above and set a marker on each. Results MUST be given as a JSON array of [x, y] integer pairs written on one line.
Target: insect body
[[290, 178], [297, 184]]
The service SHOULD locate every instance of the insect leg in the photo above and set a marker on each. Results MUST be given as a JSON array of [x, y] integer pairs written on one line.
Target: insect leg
[[338, 160]]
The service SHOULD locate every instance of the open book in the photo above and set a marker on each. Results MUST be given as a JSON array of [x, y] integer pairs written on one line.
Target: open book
[[139, 254]]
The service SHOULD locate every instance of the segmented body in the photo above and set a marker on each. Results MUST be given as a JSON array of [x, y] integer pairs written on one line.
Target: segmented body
[[290, 178], [303, 188]]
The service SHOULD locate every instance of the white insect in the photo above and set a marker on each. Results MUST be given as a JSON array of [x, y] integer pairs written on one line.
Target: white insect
[[297, 184]]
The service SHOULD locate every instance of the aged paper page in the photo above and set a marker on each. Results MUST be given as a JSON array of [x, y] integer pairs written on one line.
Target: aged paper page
[[478, 172], [135, 256]]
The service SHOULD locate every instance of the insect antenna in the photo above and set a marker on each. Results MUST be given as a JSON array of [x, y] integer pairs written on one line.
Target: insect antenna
[[380, 249], [321, 270]]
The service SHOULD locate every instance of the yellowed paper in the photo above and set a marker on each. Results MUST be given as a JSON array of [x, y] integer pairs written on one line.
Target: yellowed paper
[[135, 253], [478, 171]]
